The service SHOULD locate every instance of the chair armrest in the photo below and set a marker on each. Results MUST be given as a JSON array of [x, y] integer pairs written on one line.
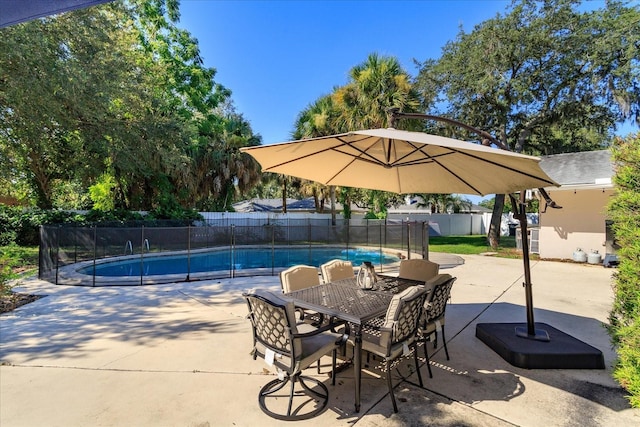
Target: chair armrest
[[307, 314], [330, 326], [386, 336]]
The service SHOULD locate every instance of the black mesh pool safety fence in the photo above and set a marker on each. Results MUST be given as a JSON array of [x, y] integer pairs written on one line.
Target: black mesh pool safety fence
[[64, 249]]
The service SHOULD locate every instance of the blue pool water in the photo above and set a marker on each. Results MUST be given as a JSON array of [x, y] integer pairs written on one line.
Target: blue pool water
[[240, 259]]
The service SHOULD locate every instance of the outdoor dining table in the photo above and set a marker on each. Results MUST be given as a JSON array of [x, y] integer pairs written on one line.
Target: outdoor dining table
[[345, 300]]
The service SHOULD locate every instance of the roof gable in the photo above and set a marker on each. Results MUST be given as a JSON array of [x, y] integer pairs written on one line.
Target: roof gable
[[583, 169]]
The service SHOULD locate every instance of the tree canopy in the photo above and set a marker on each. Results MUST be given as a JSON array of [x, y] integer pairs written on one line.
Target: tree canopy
[[114, 102], [545, 78]]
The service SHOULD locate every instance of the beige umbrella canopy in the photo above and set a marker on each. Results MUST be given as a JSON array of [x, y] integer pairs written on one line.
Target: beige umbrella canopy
[[403, 162]]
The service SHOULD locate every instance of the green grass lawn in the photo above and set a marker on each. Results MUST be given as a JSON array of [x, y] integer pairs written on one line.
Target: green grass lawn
[[473, 245]]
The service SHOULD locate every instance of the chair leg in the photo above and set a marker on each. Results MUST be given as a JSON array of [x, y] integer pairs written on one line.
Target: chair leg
[[426, 356], [444, 342], [393, 398], [334, 355], [415, 359], [293, 384]]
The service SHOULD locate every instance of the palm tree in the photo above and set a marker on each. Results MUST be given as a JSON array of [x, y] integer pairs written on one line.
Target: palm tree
[[442, 203], [314, 121], [219, 166], [316, 190], [318, 119], [377, 84]]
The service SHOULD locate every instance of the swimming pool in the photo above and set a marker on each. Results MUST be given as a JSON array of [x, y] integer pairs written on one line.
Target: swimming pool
[[158, 268]]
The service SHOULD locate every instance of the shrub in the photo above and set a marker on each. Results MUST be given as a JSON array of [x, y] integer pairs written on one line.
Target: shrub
[[15, 260], [21, 226], [8, 217], [624, 319]]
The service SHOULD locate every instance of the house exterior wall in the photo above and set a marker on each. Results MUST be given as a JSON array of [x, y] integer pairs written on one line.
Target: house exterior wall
[[579, 224]]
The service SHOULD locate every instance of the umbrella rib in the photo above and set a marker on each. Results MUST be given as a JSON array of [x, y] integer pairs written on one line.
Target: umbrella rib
[[506, 167], [464, 181], [328, 182], [370, 158], [433, 159], [305, 156], [398, 161]]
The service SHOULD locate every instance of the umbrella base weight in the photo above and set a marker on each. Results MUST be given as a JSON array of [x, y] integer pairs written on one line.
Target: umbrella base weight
[[538, 334], [561, 351]]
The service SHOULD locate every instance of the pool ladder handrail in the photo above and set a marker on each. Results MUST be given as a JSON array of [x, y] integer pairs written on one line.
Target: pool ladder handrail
[[128, 246], [146, 244]]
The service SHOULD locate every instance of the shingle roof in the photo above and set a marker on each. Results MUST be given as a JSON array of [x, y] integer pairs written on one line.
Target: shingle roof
[[275, 205], [587, 168]]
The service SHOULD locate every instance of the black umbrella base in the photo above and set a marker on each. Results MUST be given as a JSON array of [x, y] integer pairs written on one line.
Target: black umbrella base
[[561, 351]]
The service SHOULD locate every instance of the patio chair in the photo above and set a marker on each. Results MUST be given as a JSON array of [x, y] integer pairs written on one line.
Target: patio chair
[[434, 313], [336, 269], [291, 348], [299, 277], [396, 337], [418, 269]]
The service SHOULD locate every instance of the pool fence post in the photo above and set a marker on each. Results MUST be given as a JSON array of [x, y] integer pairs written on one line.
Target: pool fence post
[[408, 239], [380, 223], [425, 240], [367, 233], [141, 254], [95, 254], [75, 243], [231, 268], [188, 252], [383, 240], [309, 240], [348, 232], [57, 251], [273, 248]]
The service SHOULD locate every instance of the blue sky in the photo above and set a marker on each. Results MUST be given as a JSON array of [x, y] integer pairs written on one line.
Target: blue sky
[[277, 57]]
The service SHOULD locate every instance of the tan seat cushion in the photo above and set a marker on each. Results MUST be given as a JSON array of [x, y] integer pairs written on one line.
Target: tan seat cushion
[[336, 269], [418, 269], [299, 277]]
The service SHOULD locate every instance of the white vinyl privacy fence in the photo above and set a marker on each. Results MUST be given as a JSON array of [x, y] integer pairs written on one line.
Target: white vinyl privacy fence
[[439, 224]]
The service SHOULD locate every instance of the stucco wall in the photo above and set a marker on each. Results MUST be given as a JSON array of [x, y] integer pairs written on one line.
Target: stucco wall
[[579, 224]]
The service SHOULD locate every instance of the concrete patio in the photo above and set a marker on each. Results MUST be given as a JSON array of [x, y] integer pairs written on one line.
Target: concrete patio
[[178, 355]]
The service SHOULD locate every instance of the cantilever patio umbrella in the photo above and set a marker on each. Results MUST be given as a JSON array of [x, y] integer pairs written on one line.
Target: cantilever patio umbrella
[[415, 162], [403, 162]]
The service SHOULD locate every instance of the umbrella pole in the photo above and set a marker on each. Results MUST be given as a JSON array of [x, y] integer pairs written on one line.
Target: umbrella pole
[[529, 347], [530, 332]]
